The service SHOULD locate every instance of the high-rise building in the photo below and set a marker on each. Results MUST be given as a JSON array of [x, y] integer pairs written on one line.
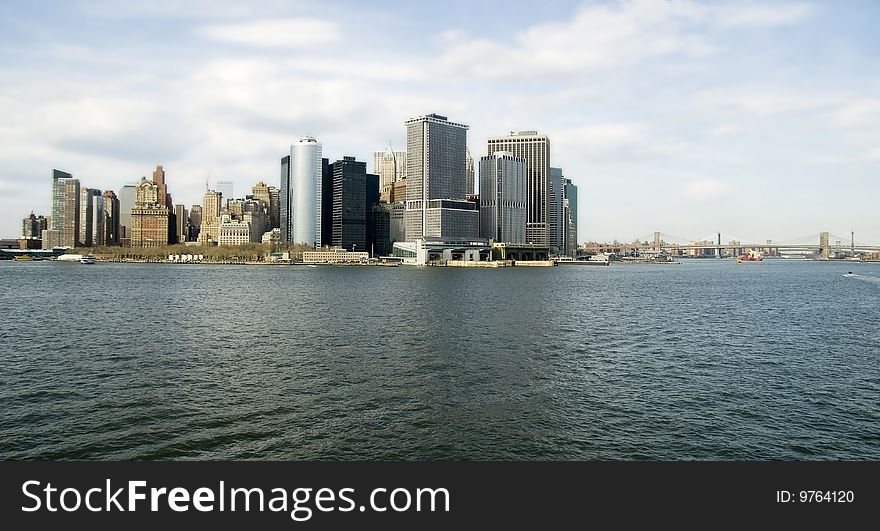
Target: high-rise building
[[274, 207], [159, 179], [469, 171], [127, 196], [211, 207], [84, 238], [349, 204], [269, 195], [232, 231], [555, 217], [436, 152], [111, 218], [65, 209], [32, 227], [227, 188], [98, 218], [503, 198], [569, 193], [372, 197], [149, 218], [303, 198], [390, 166], [381, 222], [535, 149], [326, 202], [284, 195], [194, 223], [180, 219]]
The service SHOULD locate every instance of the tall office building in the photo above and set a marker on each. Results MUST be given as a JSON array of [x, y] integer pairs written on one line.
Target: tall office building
[[32, 227], [570, 215], [326, 202], [111, 218], [503, 198], [436, 175], [149, 218], [301, 190], [180, 222], [274, 207], [372, 197], [211, 207], [555, 217], [269, 195], [84, 238], [227, 188], [127, 196], [535, 149], [194, 223], [390, 166], [469, 171], [65, 209], [349, 204], [159, 178], [98, 218]]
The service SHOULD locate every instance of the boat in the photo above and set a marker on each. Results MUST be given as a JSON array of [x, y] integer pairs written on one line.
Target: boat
[[23, 258], [751, 256], [87, 259], [849, 274]]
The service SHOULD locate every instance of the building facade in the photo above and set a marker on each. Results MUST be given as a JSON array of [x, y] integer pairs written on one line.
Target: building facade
[[503, 198], [32, 227], [436, 153], [231, 231], [65, 210], [469, 172], [535, 149], [349, 204], [195, 223], [211, 206], [390, 166], [570, 214], [555, 217], [111, 218], [149, 218], [180, 222], [301, 191], [127, 196], [98, 235]]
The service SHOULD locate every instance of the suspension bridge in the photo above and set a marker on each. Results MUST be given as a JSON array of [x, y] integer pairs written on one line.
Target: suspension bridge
[[823, 245]]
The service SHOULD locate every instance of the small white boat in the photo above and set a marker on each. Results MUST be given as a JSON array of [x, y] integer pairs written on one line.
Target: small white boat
[[87, 259], [849, 274]]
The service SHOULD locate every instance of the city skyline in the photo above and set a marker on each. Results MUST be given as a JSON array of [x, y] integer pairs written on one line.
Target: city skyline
[[684, 117]]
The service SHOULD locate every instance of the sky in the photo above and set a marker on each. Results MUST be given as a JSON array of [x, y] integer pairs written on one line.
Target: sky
[[759, 120]]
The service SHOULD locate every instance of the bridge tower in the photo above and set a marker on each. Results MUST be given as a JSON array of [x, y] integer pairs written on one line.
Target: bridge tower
[[657, 240], [824, 248]]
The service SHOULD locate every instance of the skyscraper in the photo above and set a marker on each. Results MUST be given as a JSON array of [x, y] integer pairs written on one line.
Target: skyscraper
[[469, 168], [569, 193], [127, 196], [227, 188], [195, 223], [436, 180], [390, 166], [32, 227], [211, 206], [555, 217], [98, 218], [111, 218], [303, 196], [65, 209], [159, 179], [84, 238], [326, 202], [535, 149], [371, 196], [349, 204], [503, 198], [284, 209], [149, 218], [180, 221]]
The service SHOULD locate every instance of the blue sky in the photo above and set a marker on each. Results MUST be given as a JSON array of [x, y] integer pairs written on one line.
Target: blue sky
[[757, 119]]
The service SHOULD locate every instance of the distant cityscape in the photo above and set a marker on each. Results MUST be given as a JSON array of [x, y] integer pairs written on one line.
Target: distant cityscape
[[417, 205]]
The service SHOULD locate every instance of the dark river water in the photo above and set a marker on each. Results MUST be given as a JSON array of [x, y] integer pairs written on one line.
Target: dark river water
[[704, 360]]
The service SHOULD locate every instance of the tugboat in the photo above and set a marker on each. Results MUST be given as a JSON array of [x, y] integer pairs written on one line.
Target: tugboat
[[751, 256], [88, 259]]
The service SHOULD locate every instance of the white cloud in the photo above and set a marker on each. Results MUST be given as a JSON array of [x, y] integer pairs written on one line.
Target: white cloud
[[621, 142], [290, 32], [873, 154], [705, 189], [763, 14], [725, 130], [762, 101], [860, 112]]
